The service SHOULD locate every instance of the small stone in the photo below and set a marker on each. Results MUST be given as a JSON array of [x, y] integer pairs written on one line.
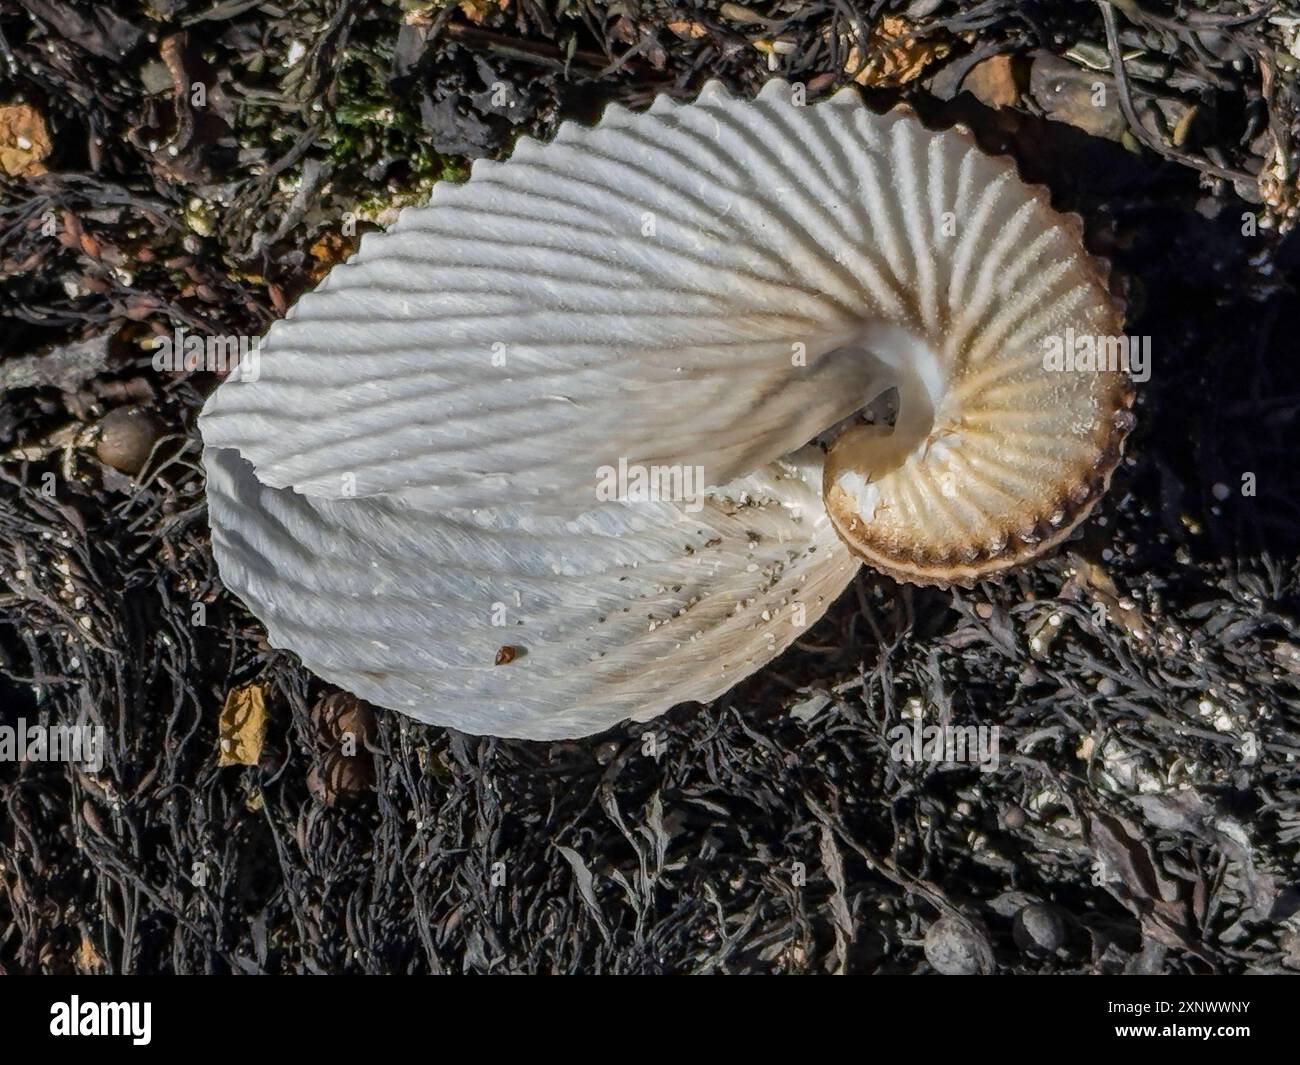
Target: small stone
[[1039, 928], [1013, 817], [956, 947], [127, 437]]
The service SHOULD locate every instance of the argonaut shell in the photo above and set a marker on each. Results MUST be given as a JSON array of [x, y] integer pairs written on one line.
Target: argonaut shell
[[408, 494]]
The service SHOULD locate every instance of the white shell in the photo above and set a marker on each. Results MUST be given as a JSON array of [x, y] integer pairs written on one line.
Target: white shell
[[684, 287], [622, 612]]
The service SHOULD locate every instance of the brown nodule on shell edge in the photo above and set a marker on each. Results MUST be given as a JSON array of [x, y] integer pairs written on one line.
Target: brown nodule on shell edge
[[1036, 534]]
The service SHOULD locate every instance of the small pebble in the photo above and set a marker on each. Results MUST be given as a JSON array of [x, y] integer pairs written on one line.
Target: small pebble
[[957, 948], [126, 438], [1039, 928]]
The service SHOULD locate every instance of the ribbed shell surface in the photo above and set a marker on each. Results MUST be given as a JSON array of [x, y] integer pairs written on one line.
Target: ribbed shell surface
[[410, 484]]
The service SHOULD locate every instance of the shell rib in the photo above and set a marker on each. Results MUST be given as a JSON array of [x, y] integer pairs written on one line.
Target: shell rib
[[410, 484]]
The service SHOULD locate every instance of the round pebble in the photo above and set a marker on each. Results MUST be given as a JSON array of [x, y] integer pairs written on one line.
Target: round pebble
[[126, 438], [957, 948], [1039, 927]]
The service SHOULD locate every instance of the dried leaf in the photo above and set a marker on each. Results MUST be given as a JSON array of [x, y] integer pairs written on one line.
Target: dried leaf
[[24, 141], [893, 54], [992, 81], [242, 727], [686, 29], [87, 959], [477, 10]]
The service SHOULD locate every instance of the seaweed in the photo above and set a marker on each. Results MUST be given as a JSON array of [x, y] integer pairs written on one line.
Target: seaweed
[[1144, 815]]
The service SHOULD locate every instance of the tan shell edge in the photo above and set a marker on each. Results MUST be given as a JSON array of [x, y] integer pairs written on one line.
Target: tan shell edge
[[1038, 536]]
